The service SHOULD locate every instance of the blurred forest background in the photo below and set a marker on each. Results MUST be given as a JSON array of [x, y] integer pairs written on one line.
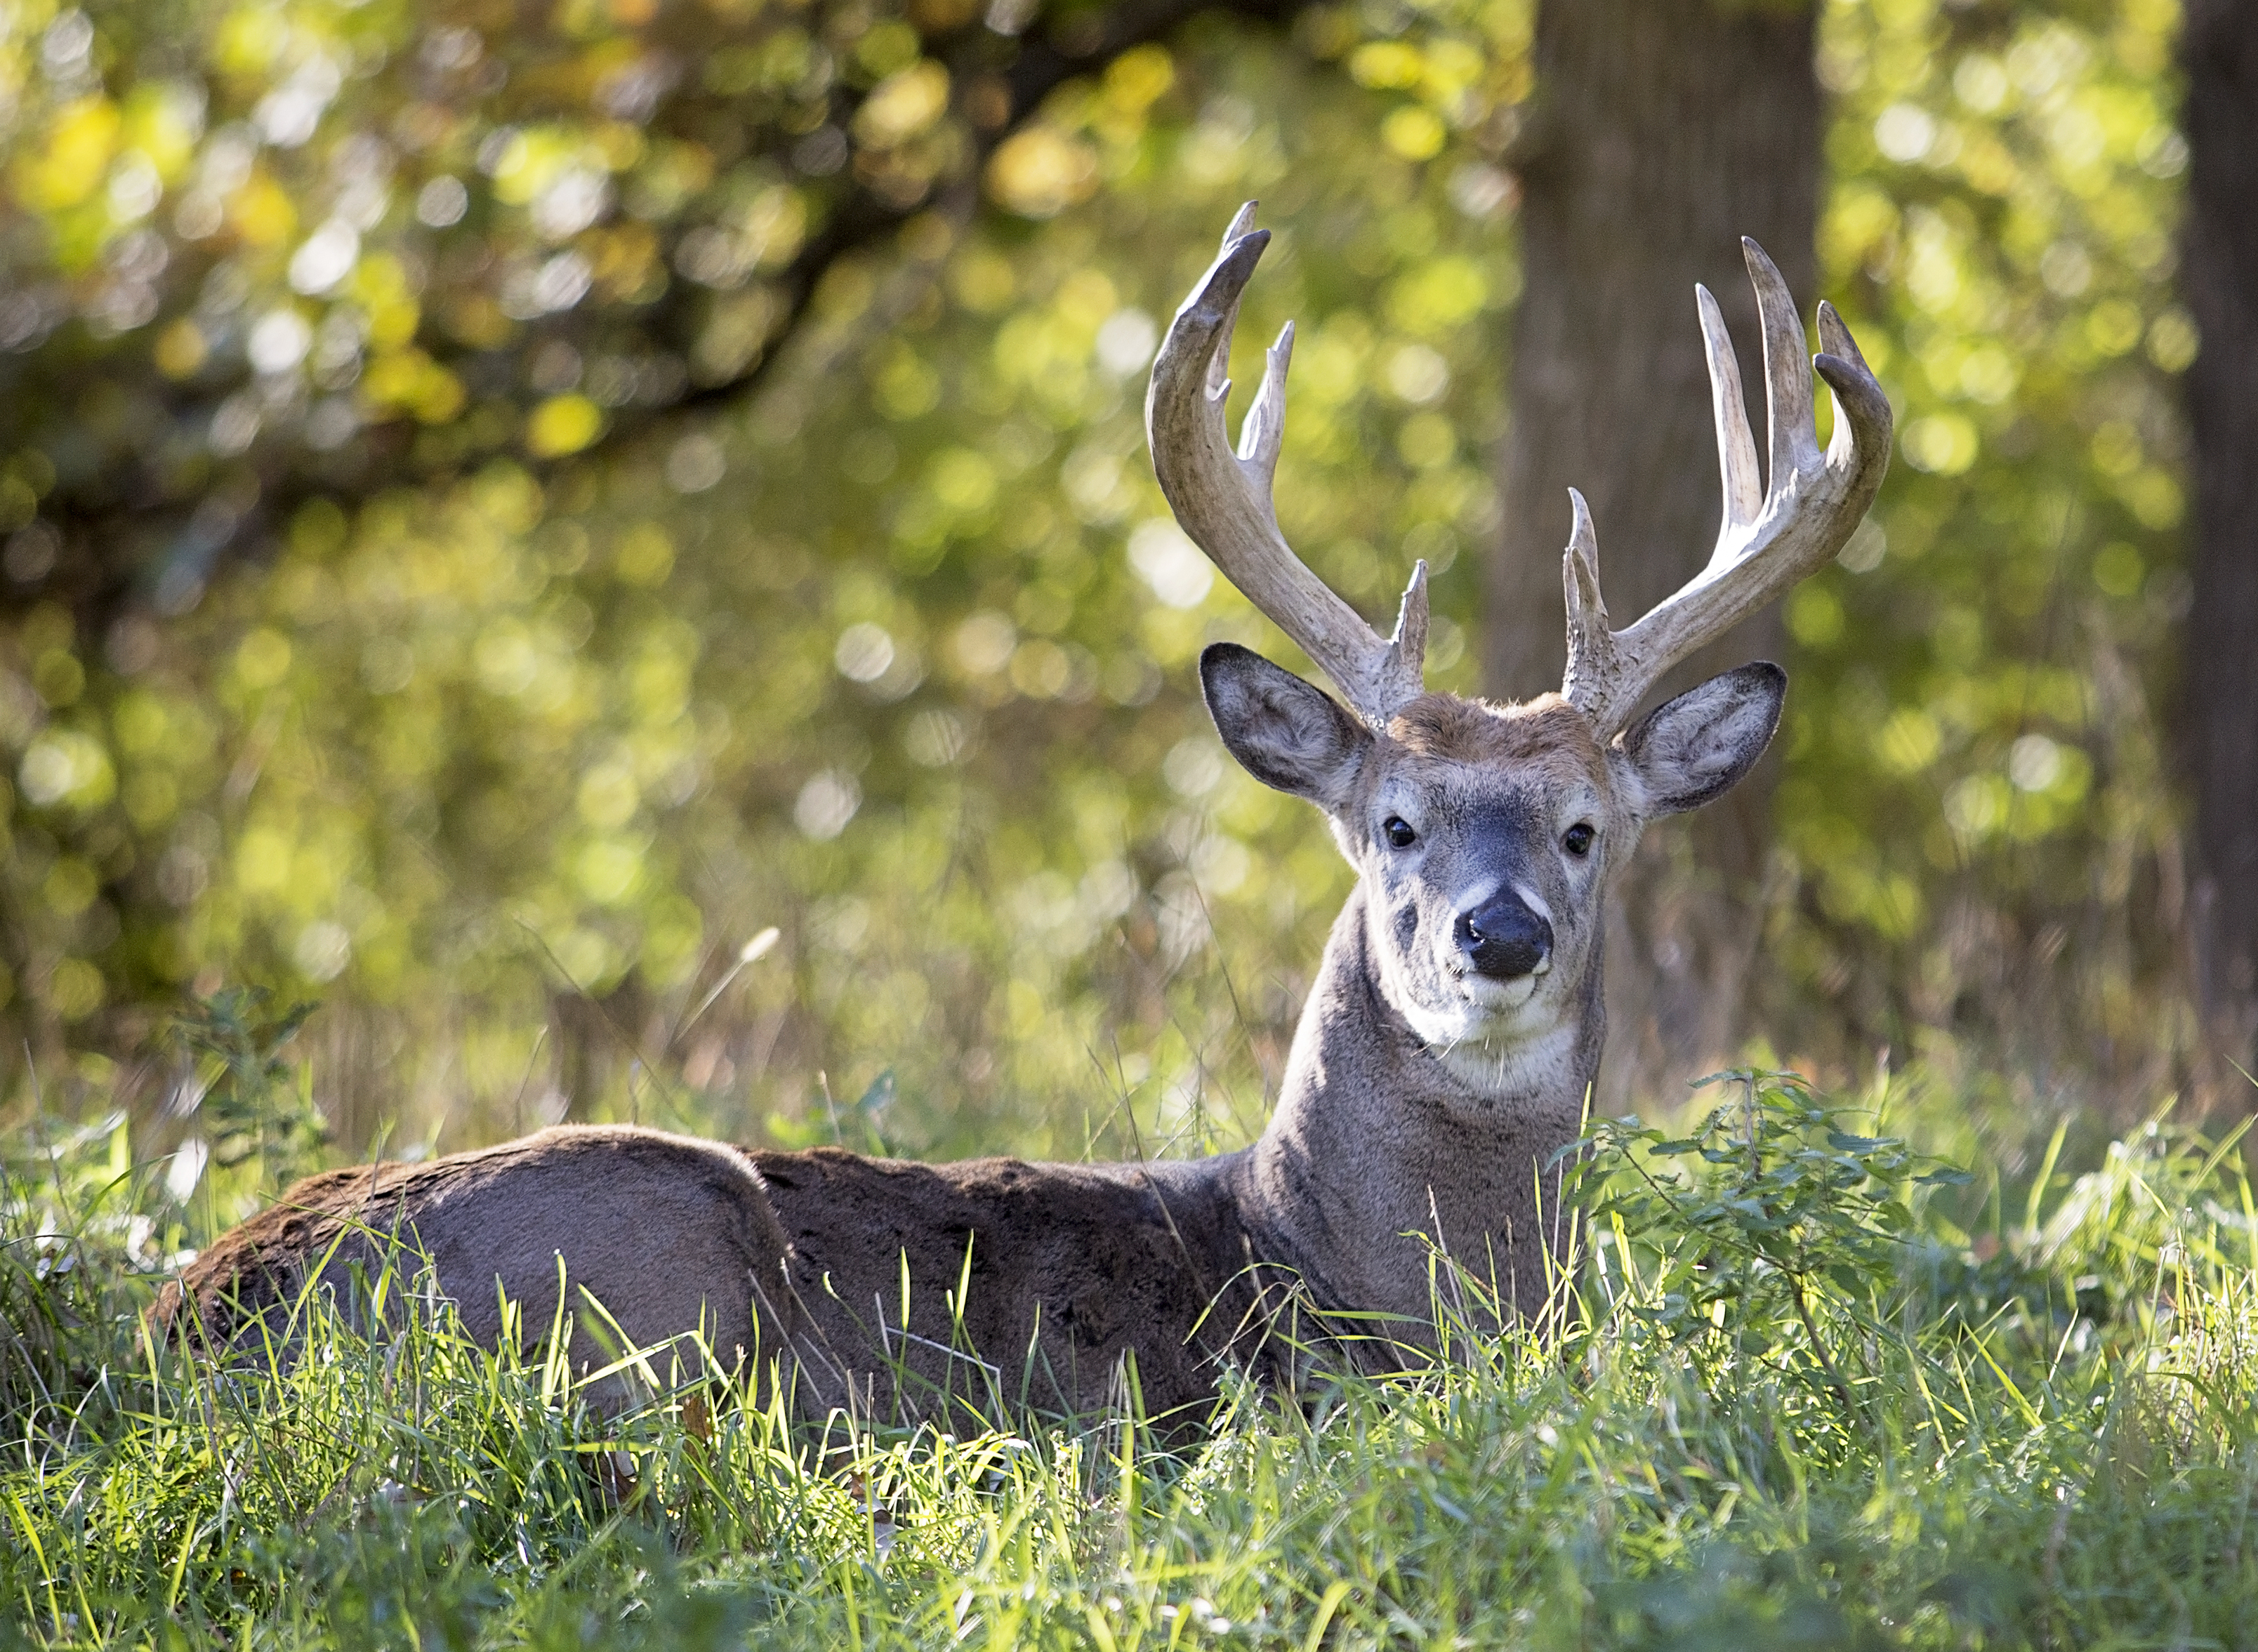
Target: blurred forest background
[[503, 504]]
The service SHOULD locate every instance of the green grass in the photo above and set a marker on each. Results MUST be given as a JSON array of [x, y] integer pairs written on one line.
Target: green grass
[[1808, 1392]]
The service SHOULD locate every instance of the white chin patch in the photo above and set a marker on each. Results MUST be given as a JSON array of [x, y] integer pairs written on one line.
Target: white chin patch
[[1496, 996], [1495, 1038], [1485, 1011]]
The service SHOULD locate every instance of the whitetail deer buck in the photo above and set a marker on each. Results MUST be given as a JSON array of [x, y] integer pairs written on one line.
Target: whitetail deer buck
[[1441, 1062]]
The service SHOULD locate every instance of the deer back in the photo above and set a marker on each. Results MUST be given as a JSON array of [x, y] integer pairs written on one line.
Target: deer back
[[900, 1291]]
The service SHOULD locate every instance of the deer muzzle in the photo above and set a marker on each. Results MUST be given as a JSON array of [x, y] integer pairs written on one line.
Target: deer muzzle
[[1502, 940]]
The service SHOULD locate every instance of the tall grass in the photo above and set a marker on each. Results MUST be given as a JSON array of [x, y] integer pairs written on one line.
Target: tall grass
[[1808, 1390]]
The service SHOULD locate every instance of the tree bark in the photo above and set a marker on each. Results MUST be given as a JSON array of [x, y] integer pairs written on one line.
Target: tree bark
[[1663, 132], [2219, 281]]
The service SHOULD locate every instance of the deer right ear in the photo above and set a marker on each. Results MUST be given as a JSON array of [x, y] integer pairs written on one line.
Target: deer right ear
[[1696, 747], [1285, 732]]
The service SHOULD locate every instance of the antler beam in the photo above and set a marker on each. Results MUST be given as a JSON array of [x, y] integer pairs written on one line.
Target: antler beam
[[1223, 498], [1769, 538]]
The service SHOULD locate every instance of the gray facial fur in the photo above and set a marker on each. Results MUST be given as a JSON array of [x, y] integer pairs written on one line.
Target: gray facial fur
[[1469, 822]]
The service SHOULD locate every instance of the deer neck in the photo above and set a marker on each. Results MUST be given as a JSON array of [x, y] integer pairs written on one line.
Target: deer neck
[[1382, 1147]]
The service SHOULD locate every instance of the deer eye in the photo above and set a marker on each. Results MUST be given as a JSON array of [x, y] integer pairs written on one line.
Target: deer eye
[[1399, 832], [1577, 839]]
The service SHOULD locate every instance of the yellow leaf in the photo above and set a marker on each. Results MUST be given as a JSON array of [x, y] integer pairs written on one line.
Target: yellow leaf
[[562, 425], [1814, 616], [180, 349], [261, 212], [534, 159], [903, 105], [251, 38], [1385, 63], [1040, 172], [1439, 294], [645, 555], [478, 321], [1413, 132], [439, 397], [1909, 741], [409, 381], [1138, 77], [163, 120], [1941, 443], [67, 167], [262, 659]]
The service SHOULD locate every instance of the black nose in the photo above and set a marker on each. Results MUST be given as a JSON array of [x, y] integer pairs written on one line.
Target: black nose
[[1503, 939]]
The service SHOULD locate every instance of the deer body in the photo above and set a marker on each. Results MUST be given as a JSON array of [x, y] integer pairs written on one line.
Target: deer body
[[1026, 1282], [1029, 1281], [1440, 1064]]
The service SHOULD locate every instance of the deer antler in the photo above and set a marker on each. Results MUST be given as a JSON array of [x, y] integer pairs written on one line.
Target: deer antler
[[1768, 541], [1222, 499]]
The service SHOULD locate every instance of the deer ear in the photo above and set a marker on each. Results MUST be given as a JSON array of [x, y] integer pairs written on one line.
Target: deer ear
[[1283, 731], [1695, 748]]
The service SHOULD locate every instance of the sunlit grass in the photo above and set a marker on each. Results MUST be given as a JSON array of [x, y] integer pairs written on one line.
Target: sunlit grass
[[2037, 1433]]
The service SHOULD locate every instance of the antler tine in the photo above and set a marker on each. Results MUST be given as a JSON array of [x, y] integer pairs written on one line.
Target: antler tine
[[1218, 364], [1766, 542], [1862, 419], [1405, 664], [1787, 371], [1222, 498], [1263, 433], [1591, 645], [1737, 449]]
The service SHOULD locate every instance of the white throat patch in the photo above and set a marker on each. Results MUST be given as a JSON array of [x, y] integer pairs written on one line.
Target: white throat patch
[[1478, 1041], [1544, 1065]]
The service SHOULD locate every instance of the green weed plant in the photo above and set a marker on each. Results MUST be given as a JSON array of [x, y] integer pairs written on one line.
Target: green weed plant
[[1772, 1211], [254, 1103]]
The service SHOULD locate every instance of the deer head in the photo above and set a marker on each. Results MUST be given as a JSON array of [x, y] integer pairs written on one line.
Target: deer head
[[1486, 834]]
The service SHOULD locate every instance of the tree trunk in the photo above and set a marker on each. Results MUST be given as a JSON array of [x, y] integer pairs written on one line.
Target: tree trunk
[[2219, 281], [1663, 131]]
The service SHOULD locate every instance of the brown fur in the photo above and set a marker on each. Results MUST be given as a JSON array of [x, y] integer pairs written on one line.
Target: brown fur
[[1478, 731], [1027, 1282], [1071, 1267], [646, 1223]]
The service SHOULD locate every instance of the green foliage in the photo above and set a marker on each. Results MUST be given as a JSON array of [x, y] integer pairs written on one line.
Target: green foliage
[[253, 1103], [893, 650], [1977, 794], [474, 745], [1774, 1211], [383, 637], [84, 1233], [2073, 1465]]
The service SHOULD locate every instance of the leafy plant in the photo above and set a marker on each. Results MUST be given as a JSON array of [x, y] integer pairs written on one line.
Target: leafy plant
[[255, 1104], [1768, 1218], [1638, 1478]]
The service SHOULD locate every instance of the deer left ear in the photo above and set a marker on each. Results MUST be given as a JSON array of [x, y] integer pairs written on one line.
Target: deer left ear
[[1284, 732], [1696, 747]]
